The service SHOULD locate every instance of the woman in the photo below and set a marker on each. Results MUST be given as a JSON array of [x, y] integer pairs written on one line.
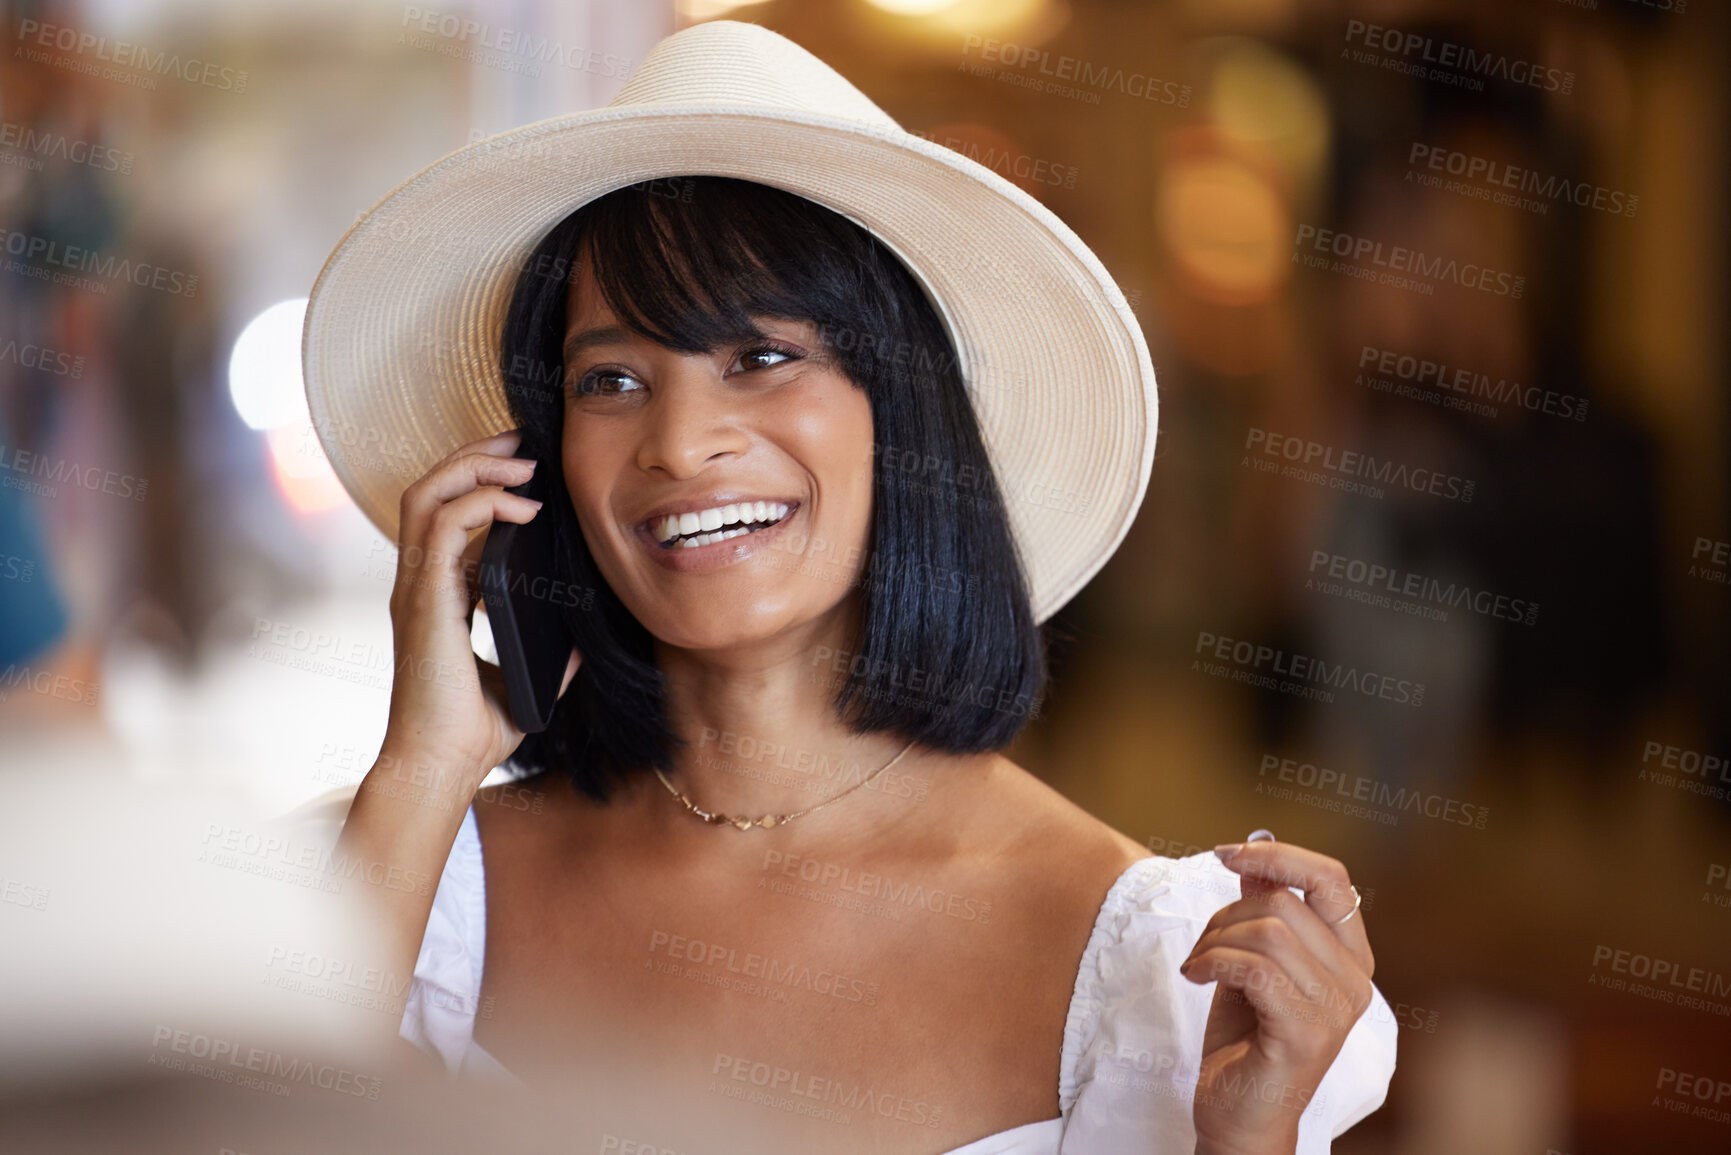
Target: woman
[[885, 936]]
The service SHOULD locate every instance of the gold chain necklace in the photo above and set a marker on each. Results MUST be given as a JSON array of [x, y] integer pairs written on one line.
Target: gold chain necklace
[[769, 820]]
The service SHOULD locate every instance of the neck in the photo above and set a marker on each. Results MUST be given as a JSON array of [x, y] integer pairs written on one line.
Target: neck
[[762, 736]]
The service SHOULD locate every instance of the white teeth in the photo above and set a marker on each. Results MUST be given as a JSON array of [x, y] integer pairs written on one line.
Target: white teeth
[[709, 538], [713, 524]]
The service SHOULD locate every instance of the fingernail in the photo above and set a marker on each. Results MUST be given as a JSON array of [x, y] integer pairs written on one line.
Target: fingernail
[[538, 504], [1227, 851], [1260, 836]]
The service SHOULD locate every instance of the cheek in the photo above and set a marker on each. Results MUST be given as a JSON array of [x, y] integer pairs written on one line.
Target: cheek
[[587, 469], [835, 439]]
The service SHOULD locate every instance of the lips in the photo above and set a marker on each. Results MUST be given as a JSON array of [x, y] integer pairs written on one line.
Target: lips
[[714, 550]]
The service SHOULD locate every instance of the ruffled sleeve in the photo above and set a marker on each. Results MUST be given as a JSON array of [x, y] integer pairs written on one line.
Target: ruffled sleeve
[[444, 995], [1133, 1040]]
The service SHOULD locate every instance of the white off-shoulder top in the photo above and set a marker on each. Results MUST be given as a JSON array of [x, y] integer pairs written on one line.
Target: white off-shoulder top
[[1132, 1039]]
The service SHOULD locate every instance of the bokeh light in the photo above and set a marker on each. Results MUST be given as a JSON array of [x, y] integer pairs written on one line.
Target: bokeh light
[[264, 371]]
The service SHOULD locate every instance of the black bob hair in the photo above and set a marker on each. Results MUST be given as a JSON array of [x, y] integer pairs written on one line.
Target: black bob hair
[[949, 654]]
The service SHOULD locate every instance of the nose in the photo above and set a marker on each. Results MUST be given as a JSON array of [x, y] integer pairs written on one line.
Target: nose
[[692, 420]]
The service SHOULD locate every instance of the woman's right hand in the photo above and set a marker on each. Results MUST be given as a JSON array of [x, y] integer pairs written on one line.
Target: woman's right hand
[[449, 710]]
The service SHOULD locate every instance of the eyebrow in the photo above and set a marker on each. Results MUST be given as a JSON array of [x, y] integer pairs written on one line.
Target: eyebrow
[[605, 335]]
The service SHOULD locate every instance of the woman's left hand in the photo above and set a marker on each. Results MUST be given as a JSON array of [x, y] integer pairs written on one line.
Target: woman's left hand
[[1293, 978]]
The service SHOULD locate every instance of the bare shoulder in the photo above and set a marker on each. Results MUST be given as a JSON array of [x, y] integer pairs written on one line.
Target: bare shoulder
[[1047, 816], [1019, 819], [519, 808]]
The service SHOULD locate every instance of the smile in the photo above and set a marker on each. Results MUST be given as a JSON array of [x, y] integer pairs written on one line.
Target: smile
[[708, 526]]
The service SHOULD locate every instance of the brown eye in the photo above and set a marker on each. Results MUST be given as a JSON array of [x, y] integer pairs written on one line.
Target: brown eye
[[605, 382], [754, 357]]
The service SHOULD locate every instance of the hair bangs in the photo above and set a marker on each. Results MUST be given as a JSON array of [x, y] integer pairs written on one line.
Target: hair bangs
[[690, 267]]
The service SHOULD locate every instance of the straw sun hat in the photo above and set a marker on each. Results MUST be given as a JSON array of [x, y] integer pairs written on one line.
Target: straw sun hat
[[401, 344]]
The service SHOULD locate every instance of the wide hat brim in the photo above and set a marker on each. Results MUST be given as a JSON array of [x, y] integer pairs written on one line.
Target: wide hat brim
[[400, 348]]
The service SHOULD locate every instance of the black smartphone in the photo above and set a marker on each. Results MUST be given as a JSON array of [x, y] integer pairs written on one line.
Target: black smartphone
[[519, 591]]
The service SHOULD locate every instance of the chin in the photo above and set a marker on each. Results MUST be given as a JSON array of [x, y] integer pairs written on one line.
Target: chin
[[728, 623]]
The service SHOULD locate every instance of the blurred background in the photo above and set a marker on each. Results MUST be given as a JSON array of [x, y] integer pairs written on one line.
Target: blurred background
[[1479, 244]]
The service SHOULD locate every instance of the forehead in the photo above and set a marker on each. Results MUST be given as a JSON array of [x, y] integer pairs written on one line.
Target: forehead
[[584, 304]]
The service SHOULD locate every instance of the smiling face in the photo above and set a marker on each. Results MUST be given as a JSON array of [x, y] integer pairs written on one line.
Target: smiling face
[[701, 481]]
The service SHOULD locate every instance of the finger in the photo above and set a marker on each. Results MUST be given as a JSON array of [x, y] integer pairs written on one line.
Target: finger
[[1324, 881], [1305, 987], [1287, 1007], [445, 571], [493, 443], [455, 478], [452, 523], [1318, 938], [500, 445], [1261, 979], [433, 567], [1326, 885], [452, 478], [470, 565], [1271, 937]]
